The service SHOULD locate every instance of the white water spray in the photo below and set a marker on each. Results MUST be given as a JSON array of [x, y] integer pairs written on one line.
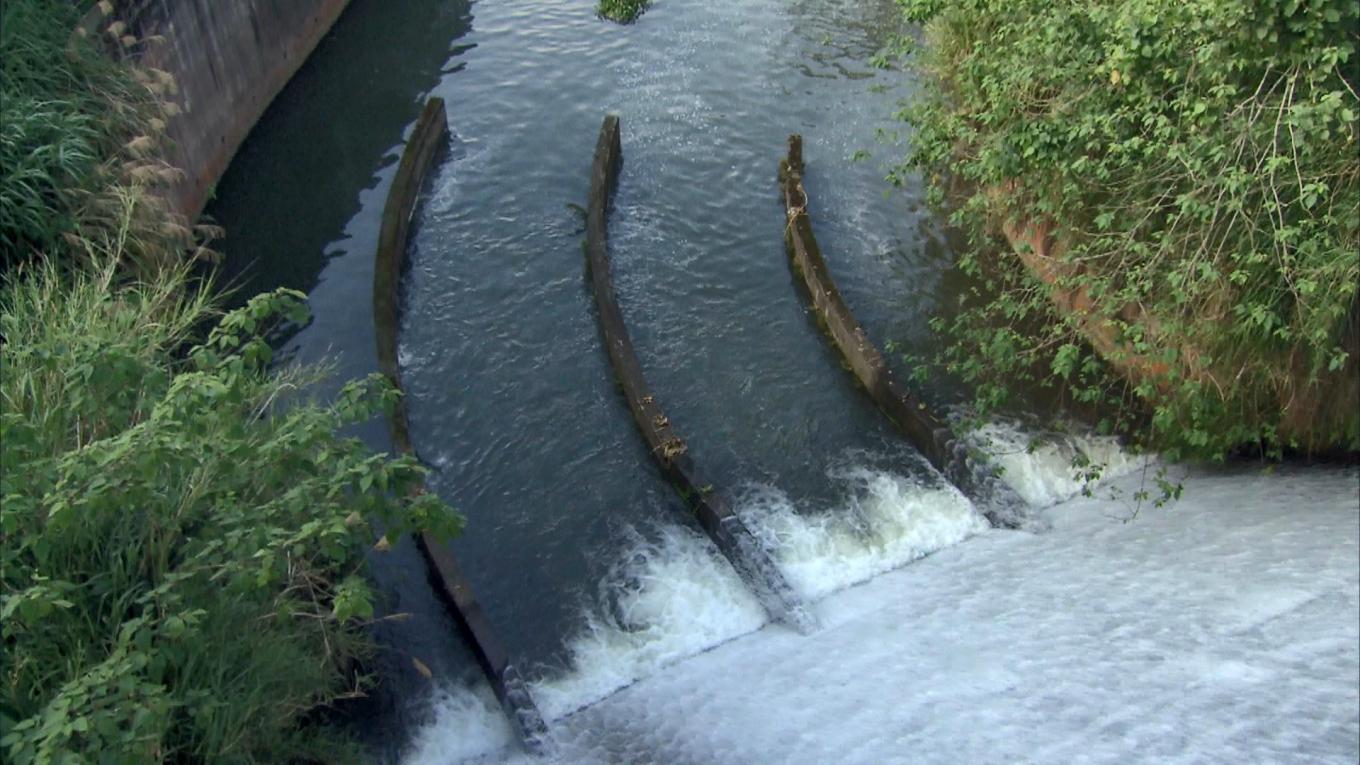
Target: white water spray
[[1048, 468], [674, 596], [887, 521], [468, 723], [666, 600]]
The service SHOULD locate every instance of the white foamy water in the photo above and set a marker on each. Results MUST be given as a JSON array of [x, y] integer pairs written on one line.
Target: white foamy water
[[665, 600], [468, 723], [887, 521], [1048, 468], [668, 600], [1185, 635], [672, 597], [1223, 628]]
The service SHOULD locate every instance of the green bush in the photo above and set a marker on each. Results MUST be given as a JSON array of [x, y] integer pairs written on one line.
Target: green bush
[[182, 550], [1195, 167], [182, 533], [622, 11]]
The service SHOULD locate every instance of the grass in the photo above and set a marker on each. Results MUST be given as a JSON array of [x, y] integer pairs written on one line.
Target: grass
[[183, 556], [76, 128], [182, 553]]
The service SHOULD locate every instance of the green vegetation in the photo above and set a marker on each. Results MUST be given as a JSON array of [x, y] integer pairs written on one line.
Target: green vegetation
[[622, 11], [181, 549], [182, 532], [77, 131], [1179, 182]]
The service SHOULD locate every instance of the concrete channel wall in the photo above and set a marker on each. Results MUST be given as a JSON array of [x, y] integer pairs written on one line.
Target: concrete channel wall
[[229, 59], [747, 555], [453, 588], [934, 438]]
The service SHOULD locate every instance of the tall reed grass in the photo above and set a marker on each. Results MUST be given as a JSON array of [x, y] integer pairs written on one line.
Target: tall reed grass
[[182, 529]]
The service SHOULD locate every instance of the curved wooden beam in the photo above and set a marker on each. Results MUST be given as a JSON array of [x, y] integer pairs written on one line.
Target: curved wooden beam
[[729, 533], [966, 469], [452, 587]]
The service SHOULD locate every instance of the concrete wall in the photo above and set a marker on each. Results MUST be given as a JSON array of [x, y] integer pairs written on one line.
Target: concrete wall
[[229, 59]]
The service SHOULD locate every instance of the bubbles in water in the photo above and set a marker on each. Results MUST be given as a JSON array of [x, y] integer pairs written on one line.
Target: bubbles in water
[[467, 724], [1046, 474], [673, 596], [663, 601], [887, 521]]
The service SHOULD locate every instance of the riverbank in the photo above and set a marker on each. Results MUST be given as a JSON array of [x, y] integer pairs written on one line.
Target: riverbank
[[183, 570], [1178, 185]]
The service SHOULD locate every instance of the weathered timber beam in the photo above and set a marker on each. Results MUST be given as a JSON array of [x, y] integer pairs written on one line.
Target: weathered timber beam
[[931, 435], [746, 553], [452, 587]]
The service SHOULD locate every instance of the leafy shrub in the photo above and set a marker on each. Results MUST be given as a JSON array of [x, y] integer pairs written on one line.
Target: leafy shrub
[[182, 551], [622, 11], [1180, 181]]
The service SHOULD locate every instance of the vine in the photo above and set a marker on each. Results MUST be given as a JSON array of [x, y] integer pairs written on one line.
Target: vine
[[1179, 183]]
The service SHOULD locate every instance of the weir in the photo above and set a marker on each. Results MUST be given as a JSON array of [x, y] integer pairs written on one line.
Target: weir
[[970, 471], [453, 588], [746, 553]]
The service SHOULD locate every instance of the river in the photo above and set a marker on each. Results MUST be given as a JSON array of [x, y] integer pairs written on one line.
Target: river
[[587, 565]]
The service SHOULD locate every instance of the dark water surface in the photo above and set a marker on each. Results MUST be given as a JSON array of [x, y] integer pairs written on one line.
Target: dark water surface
[[512, 400]]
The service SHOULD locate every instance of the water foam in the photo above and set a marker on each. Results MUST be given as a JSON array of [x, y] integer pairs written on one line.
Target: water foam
[[665, 600], [887, 521], [672, 595], [1035, 647], [467, 724], [1046, 468]]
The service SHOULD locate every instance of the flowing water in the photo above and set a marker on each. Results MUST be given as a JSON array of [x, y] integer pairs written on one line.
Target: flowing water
[[588, 567]]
